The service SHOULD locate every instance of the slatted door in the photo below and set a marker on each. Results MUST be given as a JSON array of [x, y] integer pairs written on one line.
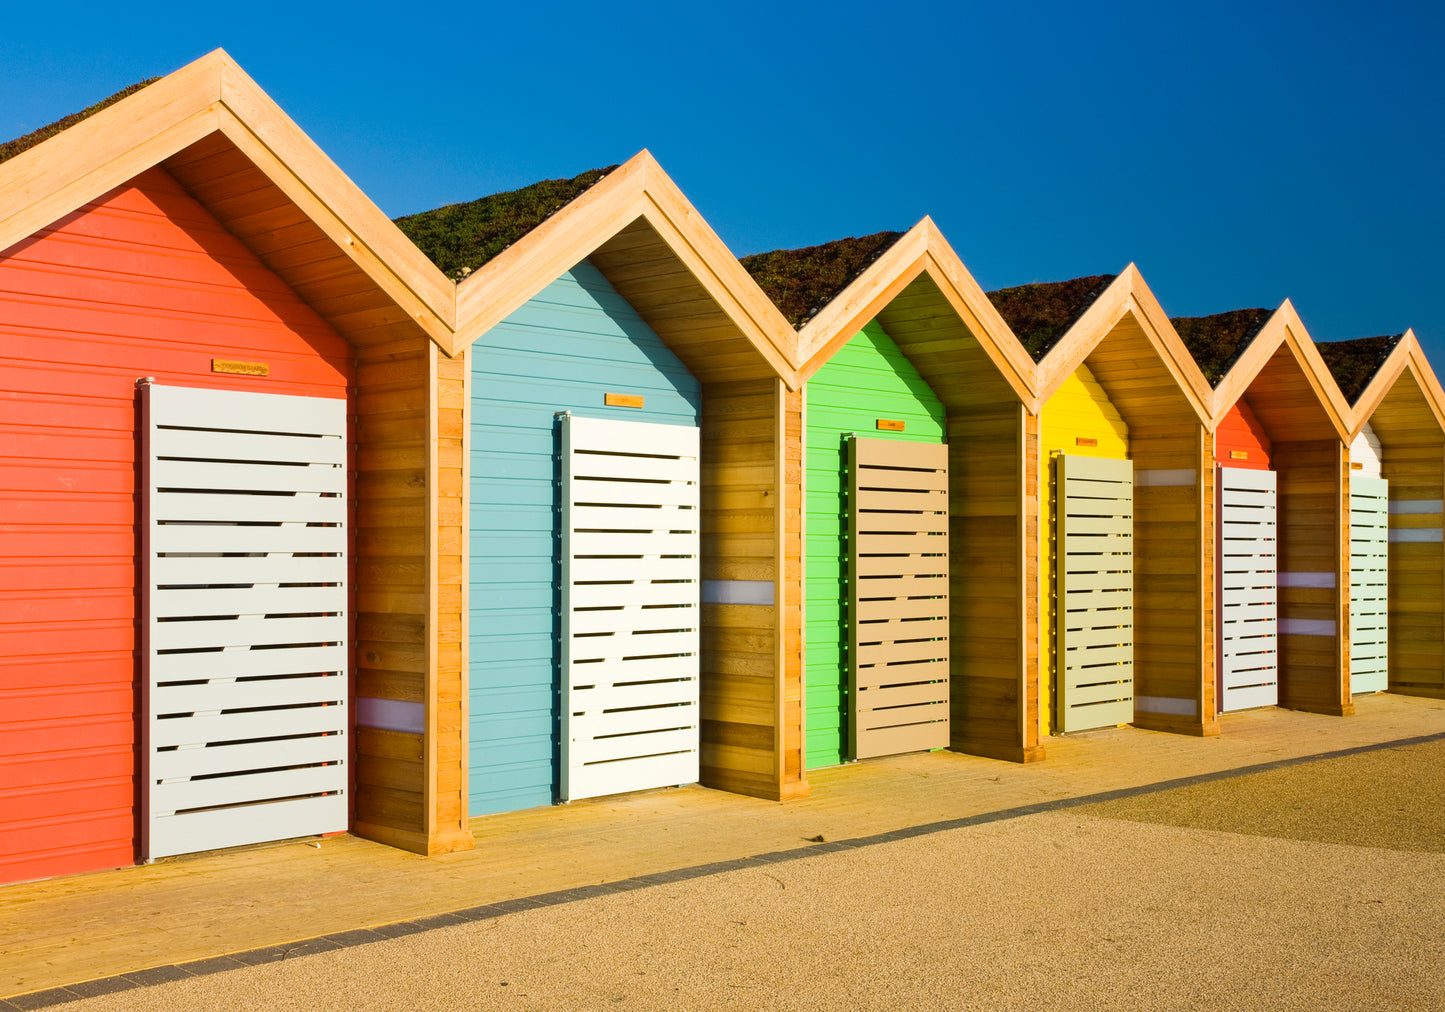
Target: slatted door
[[898, 580], [245, 601], [1369, 570], [1094, 605], [630, 608], [1248, 590]]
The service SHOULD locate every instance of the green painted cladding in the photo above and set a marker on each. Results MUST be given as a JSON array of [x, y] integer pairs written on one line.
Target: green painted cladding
[[563, 351], [867, 380]]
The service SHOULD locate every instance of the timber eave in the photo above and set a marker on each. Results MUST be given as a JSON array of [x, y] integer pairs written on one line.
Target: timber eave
[[637, 189], [213, 95]]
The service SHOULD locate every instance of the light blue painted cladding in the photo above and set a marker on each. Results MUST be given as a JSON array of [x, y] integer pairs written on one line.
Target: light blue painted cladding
[[562, 351]]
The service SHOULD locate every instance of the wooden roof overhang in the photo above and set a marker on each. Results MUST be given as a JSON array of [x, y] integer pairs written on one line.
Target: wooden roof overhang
[[651, 244], [1133, 351], [214, 129], [1403, 402], [939, 317], [1286, 383]]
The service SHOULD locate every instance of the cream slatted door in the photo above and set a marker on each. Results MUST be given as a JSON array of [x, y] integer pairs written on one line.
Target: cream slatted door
[[630, 606], [1094, 610], [1248, 590], [898, 580], [245, 632], [1369, 583]]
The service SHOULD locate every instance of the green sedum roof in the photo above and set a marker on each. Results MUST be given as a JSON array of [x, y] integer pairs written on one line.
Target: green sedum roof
[[1217, 341], [1354, 363], [459, 238], [802, 281], [10, 149], [1040, 314]]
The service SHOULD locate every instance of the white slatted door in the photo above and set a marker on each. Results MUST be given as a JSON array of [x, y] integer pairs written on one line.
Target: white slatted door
[[1369, 583], [898, 582], [1094, 606], [245, 600], [1248, 590], [630, 608]]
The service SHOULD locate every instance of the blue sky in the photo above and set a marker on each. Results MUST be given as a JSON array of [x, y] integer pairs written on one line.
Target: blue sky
[[1238, 153]]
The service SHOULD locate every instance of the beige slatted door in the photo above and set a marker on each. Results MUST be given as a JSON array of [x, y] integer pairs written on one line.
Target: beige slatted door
[[898, 579], [1094, 609], [245, 601], [630, 606]]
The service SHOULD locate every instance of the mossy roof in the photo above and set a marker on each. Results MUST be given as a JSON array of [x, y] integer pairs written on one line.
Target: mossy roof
[[1217, 341], [802, 281], [1041, 313], [1354, 363], [10, 149], [459, 238]]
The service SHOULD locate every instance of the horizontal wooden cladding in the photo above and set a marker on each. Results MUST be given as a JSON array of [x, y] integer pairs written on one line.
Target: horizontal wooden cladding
[[292, 243], [993, 464], [1404, 418], [1132, 372], [927, 329], [141, 282], [1174, 647], [1313, 532], [1285, 402], [751, 654], [1416, 577], [656, 282]]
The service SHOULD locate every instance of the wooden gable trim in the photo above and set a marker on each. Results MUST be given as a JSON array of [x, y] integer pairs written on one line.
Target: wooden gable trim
[[1407, 356], [213, 94], [922, 249], [1286, 328], [639, 188], [1127, 295]]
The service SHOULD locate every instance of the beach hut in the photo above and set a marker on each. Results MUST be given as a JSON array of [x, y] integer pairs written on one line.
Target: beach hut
[[1125, 509], [629, 446], [919, 492], [1282, 558], [219, 387], [1398, 435]]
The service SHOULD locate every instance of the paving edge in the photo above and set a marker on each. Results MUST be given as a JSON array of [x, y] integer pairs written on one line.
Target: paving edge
[[346, 939]]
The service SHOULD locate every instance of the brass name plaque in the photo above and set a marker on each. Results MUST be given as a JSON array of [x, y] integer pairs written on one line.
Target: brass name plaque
[[890, 424], [622, 400], [1356, 466], [1085, 441], [1238, 454], [240, 368]]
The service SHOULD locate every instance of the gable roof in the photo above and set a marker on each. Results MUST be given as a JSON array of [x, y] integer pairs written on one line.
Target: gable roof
[[460, 238], [1403, 395], [1041, 313], [1300, 398], [1217, 341], [213, 129], [1353, 363], [800, 282], [10, 149]]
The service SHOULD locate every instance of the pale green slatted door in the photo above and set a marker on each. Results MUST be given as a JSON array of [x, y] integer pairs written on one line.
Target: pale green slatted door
[[1369, 567], [1094, 604]]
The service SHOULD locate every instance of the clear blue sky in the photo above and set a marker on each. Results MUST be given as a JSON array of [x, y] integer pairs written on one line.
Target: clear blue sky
[[1239, 153]]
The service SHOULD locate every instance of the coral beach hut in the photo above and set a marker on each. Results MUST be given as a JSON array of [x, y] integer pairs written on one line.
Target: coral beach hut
[[629, 444], [1125, 508], [223, 501], [1398, 441], [918, 449], [1283, 511]]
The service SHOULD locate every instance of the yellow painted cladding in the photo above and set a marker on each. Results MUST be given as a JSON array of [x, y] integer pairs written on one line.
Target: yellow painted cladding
[[1077, 419]]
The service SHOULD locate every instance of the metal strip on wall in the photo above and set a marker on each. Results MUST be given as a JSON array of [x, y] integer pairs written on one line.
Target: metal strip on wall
[[1248, 589], [1094, 584], [630, 606], [1369, 583], [245, 600], [898, 580]]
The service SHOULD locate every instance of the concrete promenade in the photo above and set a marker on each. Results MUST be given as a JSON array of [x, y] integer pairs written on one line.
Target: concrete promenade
[[1164, 857]]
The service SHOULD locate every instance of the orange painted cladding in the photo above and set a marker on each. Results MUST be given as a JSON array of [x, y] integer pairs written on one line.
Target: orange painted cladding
[[1240, 431], [142, 282]]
